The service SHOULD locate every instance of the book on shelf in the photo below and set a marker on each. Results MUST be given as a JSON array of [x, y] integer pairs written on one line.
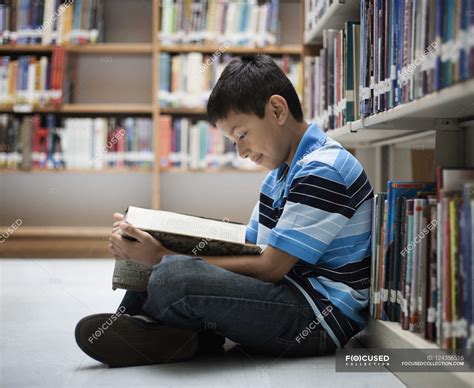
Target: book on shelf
[[196, 144], [243, 23], [181, 233], [51, 142], [108, 142], [427, 47], [332, 78], [51, 22], [32, 81], [422, 275], [186, 80]]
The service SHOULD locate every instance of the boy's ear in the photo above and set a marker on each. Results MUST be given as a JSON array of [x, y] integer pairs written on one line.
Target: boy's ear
[[279, 108]]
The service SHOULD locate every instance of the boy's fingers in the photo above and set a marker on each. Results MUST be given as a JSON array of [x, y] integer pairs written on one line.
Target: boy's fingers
[[118, 217], [117, 253], [118, 242], [116, 226], [134, 232]]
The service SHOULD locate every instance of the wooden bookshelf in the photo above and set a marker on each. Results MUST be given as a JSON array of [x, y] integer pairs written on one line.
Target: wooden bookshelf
[[210, 170], [122, 170], [271, 50], [155, 79], [111, 48], [99, 48], [27, 48], [147, 48], [88, 108], [33, 109], [107, 108], [56, 242], [183, 111], [125, 170], [34, 241]]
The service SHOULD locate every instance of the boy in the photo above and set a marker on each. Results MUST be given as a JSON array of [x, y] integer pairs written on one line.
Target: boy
[[306, 294]]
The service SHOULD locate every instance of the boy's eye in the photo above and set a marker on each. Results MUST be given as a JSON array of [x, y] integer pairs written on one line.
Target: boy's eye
[[241, 137]]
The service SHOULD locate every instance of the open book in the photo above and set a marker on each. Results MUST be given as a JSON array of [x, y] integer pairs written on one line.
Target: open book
[[183, 234]]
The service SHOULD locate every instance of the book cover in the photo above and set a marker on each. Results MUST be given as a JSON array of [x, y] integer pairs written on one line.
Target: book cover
[[181, 233]]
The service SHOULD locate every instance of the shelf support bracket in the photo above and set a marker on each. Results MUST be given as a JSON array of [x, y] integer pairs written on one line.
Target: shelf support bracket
[[450, 143]]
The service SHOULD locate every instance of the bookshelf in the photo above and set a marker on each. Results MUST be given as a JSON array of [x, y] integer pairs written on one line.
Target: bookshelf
[[58, 242], [95, 69], [388, 335], [454, 102], [271, 50], [441, 120], [98, 108], [334, 17], [146, 48], [100, 48]]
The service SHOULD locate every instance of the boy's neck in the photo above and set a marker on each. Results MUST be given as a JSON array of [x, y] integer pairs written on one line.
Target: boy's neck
[[297, 130]]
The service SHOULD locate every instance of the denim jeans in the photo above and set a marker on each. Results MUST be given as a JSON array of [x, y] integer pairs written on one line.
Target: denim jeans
[[262, 317]]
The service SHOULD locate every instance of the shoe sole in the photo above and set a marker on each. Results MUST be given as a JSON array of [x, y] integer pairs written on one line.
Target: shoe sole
[[127, 341]]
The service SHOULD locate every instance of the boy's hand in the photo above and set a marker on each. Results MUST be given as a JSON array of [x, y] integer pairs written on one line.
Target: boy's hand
[[146, 250], [118, 217]]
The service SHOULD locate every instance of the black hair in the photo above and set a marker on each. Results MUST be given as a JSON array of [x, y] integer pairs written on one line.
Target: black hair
[[245, 86]]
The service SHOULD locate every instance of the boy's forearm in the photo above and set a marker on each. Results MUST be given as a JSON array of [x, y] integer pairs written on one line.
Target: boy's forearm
[[248, 265]]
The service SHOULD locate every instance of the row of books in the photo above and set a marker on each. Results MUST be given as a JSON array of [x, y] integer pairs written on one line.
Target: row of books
[[50, 22], [412, 48], [187, 79], [422, 249], [32, 80], [196, 145], [400, 51], [246, 22], [51, 142], [332, 78]]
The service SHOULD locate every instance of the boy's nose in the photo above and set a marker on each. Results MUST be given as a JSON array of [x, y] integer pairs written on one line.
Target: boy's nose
[[243, 154]]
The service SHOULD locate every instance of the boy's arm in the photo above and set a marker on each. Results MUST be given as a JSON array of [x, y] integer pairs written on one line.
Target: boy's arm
[[271, 266]]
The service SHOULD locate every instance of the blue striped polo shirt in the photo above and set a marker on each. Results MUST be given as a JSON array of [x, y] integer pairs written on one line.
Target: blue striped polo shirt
[[318, 210]]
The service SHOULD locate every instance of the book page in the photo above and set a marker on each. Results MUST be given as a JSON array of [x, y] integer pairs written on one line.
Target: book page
[[163, 221]]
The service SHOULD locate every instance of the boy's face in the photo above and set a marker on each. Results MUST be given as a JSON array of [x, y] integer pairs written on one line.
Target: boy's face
[[262, 140]]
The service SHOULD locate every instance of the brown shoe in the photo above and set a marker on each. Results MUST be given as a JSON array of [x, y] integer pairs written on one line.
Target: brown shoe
[[130, 341]]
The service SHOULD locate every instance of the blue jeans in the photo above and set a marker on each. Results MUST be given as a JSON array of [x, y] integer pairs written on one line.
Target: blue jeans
[[263, 317]]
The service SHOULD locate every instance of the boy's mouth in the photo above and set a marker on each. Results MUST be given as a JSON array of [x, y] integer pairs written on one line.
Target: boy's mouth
[[257, 160]]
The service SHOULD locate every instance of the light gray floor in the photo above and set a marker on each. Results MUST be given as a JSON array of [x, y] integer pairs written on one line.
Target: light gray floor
[[41, 301]]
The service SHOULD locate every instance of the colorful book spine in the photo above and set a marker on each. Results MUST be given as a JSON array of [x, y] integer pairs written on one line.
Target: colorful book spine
[[195, 144], [51, 22], [50, 142], [30, 81], [408, 49], [178, 89], [423, 276], [243, 23]]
